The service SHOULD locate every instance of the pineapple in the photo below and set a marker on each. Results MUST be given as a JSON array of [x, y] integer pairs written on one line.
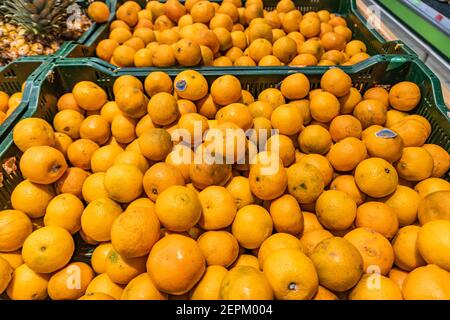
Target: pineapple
[[35, 27]]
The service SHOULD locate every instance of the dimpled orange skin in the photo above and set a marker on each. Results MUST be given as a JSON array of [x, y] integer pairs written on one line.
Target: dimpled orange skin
[[176, 264], [42, 164]]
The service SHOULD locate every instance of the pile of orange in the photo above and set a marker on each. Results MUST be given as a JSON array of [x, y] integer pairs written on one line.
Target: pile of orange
[[346, 200], [199, 32], [9, 103]]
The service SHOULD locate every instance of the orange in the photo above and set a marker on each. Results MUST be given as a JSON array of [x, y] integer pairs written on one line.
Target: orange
[[291, 21], [347, 153], [14, 258], [42, 164], [304, 59], [6, 272], [287, 119], [433, 242], [190, 85], [16, 227], [246, 260], [218, 247], [71, 282], [89, 95], [33, 132], [203, 174], [256, 219], [155, 144], [305, 182], [80, 153], [159, 177], [105, 49], [123, 182], [375, 287], [286, 215], [122, 270], [336, 81], [259, 49], [311, 222], [31, 198], [64, 211], [407, 255], [156, 82], [123, 128], [103, 158], [413, 132], [427, 283], [135, 232], [162, 108], [260, 109], [141, 203], [72, 181], [324, 107], [208, 287], [398, 276], [405, 201], [62, 142], [377, 93], [345, 126], [229, 84], [99, 256], [273, 96], [276, 242], [354, 47], [376, 177], [96, 296], [236, 113], [415, 164], [93, 187], [202, 11], [102, 284], [441, 159], [393, 117], [239, 188], [132, 158], [120, 34], [175, 264], [285, 49], [404, 96], [370, 112], [347, 184], [142, 287], [245, 283], [338, 263], [268, 178], [335, 210], [374, 248], [95, 128], [27, 284], [350, 100], [310, 26], [286, 282], [377, 216], [4, 97], [431, 185], [314, 139], [98, 218], [324, 294], [388, 147], [218, 208], [310, 239], [48, 249], [178, 208], [303, 106]]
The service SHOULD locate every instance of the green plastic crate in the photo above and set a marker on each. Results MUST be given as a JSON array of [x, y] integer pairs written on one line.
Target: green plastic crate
[[12, 76], [361, 29], [59, 78]]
